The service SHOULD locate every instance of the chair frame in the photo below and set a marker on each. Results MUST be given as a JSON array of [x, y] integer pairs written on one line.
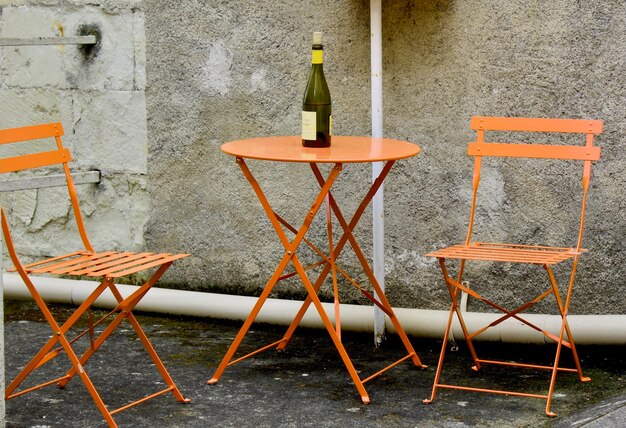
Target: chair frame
[[105, 265], [544, 256]]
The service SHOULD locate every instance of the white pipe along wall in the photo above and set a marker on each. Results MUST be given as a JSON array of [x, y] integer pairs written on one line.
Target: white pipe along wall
[[587, 329]]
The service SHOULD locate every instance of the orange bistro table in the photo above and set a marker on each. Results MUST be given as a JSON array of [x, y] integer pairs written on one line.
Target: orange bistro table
[[344, 150]]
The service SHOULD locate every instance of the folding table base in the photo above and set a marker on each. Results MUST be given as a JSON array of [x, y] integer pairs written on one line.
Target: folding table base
[[329, 267]]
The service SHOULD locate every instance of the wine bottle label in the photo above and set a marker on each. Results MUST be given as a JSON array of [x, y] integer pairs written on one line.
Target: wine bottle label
[[330, 125], [317, 56], [309, 121]]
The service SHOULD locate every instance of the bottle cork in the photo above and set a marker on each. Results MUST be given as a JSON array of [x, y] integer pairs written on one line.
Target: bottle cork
[[317, 38]]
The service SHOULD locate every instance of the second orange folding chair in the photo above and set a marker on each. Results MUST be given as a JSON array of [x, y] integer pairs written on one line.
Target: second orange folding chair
[[541, 256], [107, 266]]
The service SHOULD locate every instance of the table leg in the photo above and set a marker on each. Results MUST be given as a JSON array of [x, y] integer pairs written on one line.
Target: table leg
[[333, 267], [290, 248], [370, 274], [340, 244], [332, 332], [348, 236]]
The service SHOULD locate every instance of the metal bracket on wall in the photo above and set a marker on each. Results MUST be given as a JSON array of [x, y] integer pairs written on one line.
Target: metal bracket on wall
[[25, 183], [37, 41]]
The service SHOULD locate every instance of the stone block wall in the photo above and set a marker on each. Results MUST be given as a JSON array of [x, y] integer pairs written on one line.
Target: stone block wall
[[98, 94]]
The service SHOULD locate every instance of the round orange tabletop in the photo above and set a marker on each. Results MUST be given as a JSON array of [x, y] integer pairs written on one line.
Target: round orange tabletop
[[342, 149]]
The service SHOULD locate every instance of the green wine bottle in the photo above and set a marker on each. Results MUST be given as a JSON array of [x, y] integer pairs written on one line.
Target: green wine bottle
[[316, 110]]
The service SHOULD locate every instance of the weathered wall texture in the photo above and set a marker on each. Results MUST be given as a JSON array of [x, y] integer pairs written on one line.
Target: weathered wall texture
[[99, 96], [218, 71], [223, 70]]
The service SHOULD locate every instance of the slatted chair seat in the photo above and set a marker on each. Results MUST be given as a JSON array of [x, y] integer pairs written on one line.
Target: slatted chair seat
[[111, 264], [512, 253]]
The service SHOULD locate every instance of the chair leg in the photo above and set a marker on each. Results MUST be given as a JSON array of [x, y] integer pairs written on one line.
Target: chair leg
[[151, 351], [454, 309], [442, 354], [40, 358], [106, 333], [454, 287], [87, 381], [125, 307], [563, 309], [59, 336], [563, 312], [454, 291]]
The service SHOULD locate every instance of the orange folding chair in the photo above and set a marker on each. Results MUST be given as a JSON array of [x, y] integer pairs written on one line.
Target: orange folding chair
[[86, 262], [544, 256]]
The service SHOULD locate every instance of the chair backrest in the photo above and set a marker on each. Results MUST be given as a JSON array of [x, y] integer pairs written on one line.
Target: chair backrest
[[586, 153], [60, 156]]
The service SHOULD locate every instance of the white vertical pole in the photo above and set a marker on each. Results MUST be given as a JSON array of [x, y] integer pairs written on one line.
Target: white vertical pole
[[378, 226]]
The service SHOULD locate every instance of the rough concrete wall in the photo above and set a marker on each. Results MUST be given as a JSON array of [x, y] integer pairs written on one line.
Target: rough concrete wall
[[99, 96], [219, 71], [224, 70], [514, 58]]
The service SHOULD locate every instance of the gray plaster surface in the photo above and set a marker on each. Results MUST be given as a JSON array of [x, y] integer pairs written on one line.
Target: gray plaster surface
[[217, 72], [306, 385]]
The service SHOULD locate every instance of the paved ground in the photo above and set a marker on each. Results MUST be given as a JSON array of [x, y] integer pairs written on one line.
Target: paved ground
[[306, 385]]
